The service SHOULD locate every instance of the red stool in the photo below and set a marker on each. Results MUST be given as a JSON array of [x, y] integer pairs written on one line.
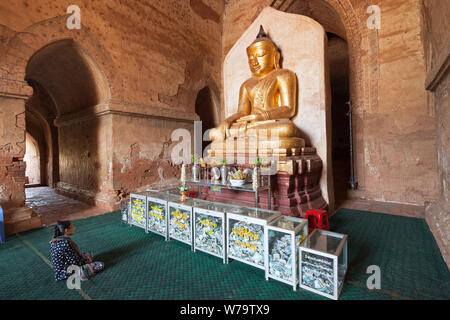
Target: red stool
[[312, 220], [317, 219], [192, 194]]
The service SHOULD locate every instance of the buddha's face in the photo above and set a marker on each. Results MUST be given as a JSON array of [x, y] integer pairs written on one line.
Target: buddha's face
[[261, 58]]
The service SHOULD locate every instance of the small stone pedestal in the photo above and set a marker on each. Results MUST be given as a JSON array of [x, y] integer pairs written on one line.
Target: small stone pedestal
[[295, 188]]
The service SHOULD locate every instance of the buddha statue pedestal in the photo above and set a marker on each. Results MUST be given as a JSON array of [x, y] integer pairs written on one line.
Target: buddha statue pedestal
[[251, 147], [295, 187]]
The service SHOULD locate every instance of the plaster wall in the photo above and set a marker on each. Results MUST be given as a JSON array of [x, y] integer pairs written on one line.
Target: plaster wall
[[84, 160], [12, 151], [142, 157]]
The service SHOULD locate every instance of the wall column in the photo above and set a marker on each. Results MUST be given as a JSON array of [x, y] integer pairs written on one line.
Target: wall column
[[437, 214], [18, 217]]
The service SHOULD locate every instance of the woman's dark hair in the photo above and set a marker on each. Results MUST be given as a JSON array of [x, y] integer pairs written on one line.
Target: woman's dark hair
[[61, 227]]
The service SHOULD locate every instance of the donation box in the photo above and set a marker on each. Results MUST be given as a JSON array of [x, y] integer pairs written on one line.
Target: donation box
[[284, 237], [323, 263], [246, 234], [138, 210], [157, 213], [210, 228]]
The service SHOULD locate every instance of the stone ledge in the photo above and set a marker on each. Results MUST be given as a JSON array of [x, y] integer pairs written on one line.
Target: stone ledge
[[89, 197], [143, 110], [20, 219], [15, 88], [120, 108]]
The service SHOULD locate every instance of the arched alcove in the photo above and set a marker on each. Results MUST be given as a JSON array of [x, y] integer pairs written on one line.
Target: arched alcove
[[338, 61], [322, 12], [69, 75], [67, 83], [339, 72], [40, 112], [32, 160], [206, 109]]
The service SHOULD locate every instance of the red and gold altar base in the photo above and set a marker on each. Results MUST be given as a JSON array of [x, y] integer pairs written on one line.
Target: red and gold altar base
[[294, 189]]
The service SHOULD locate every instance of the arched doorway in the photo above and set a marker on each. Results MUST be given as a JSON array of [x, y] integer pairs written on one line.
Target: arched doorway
[[33, 160], [206, 109], [340, 94], [339, 71], [66, 84], [39, 124]]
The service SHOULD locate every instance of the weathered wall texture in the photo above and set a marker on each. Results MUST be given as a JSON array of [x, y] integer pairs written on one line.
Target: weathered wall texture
[[436, 29], [437, 48], [147, 59], [12, 151], [138, 160], [85, 152], [393, 127]]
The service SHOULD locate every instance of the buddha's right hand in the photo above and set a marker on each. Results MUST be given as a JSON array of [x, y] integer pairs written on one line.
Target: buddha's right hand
[[220, 132]]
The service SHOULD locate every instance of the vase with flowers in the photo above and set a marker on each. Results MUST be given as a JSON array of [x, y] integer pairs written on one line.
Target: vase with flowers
[[183, 191]]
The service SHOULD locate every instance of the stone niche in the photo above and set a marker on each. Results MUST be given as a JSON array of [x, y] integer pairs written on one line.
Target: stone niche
[[303, 44]]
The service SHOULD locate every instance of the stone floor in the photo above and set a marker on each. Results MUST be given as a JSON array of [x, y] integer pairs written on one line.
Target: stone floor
[[405, 210], [52, 206]]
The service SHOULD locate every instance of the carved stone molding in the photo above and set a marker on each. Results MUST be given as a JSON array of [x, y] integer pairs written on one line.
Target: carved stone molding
[[114, 107], [15, 89]]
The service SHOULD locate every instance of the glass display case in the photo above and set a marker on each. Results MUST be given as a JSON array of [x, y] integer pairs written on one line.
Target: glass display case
[[180, 218], [209, 227], [212, 177], [157, 213], [246, 234], [284, 236], [138, 210], [124, 207], [323, 263]]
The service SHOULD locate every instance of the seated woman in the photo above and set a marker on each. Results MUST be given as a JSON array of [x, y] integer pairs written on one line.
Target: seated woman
[[64, 253]]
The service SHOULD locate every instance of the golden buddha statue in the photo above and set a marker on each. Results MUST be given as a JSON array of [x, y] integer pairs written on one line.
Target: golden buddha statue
[[267, 103]]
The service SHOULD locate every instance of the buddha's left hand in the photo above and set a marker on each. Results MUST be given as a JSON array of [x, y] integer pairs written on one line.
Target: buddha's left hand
[[252, 117]]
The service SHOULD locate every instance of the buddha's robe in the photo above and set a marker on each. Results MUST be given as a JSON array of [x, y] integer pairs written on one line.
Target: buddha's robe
[[269, 97]]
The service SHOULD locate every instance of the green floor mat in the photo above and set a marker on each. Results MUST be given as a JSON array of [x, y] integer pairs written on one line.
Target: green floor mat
[[144, 266], [24, 275]]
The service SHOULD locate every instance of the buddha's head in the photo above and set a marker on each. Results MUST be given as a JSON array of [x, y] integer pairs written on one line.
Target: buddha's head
[[263, 55]]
